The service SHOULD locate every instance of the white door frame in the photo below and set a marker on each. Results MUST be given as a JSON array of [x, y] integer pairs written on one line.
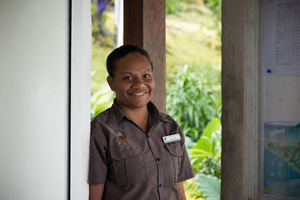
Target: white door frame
[[80, 92]]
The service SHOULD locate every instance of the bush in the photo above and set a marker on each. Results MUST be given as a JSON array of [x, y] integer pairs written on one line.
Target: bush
[[210, 186], [206, 162], [206, 154], [193, 99]]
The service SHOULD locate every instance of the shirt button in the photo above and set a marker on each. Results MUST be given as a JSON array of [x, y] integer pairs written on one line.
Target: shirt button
[[160, 185], [148, 136], [158, 159]]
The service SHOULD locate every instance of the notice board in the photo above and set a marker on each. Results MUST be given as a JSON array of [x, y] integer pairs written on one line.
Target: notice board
[[280, 106]]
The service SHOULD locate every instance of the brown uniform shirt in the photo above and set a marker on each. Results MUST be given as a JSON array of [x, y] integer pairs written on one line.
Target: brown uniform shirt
[[135, 165]]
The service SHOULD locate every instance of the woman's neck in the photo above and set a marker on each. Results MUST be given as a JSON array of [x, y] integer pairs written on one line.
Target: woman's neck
[[140, 117]]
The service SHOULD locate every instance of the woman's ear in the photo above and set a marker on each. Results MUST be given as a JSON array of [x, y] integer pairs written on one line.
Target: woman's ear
[[110, 81]]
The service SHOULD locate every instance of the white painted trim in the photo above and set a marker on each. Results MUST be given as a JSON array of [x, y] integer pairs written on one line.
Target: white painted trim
[[80, 98]]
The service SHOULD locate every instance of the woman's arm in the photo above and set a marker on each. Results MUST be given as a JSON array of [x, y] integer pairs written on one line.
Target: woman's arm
[[96, 191], [181, 190]]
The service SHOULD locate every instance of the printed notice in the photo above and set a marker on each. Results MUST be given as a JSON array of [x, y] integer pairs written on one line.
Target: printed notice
[[281, 45], [281, 160]]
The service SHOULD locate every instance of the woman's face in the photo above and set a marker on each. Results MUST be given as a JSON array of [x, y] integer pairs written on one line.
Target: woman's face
[[133, 82]]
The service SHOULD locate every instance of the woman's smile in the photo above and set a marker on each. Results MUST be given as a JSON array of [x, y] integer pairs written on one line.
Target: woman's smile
[[137, 93]]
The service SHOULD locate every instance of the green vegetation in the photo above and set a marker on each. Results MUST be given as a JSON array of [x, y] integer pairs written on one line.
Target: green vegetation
[[210, 186], [192, 38], [205, 158], [206, 154], [193, 96], [102, 45]]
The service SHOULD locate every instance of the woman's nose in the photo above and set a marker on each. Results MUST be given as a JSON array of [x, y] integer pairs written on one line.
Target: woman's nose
[[138, 82]]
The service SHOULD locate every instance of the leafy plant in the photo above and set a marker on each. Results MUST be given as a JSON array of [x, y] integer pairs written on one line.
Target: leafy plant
[[210, 186], [100, 101], [192, 100], [191, 189], [206, 161], [206, 154]]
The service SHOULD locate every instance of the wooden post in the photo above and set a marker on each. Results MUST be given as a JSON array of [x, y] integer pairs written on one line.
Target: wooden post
[[144, 26]]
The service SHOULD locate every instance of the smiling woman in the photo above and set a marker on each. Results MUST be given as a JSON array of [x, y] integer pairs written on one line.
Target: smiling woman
[[129, 158], [133, 82]]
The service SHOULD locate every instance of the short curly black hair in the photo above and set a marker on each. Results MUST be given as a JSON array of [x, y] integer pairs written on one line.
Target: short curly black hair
[[121, 52]]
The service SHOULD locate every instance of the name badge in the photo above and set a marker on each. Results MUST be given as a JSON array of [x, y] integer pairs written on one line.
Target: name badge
[[171, 138]]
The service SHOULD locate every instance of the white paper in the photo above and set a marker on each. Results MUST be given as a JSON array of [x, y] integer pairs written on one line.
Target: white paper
[[281, 37]]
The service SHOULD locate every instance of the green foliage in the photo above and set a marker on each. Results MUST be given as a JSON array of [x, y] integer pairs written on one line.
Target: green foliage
[[206, 161], [102, 45], [102, 31], [215, 6], [206, 154], [174, 6], [100, 101], [191, 189], [99, 73], [210, 186], [192, 100]]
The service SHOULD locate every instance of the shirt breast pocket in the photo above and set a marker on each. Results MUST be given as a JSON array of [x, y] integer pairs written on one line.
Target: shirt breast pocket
[[128, 164], [176, 154]]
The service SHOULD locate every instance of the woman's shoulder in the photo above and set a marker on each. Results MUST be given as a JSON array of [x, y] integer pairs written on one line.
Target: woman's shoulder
[[102, 117], [166, 117]]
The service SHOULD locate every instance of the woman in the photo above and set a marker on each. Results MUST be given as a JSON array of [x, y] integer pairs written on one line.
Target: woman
[[136, 152]]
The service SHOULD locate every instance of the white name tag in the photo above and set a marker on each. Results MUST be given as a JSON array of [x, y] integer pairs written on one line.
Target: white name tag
[[172, 138]]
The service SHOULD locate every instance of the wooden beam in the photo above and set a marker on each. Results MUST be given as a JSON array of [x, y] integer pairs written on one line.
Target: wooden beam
[[144, 26], [133, 22]]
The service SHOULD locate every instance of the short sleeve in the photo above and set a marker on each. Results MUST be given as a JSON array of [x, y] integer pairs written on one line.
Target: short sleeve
[[98, 156], [186, 171]]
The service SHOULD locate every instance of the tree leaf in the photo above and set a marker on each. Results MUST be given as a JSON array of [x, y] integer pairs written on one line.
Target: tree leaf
[[204, 143], [210, 186]]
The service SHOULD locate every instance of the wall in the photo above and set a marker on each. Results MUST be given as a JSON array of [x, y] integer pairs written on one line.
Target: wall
[[39, 128], [34, 99]]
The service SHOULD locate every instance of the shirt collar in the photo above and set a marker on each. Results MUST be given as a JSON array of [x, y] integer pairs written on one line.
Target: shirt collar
[[119, 114]]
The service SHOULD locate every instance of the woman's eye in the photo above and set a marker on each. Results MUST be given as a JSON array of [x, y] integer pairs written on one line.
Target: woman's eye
[[146, 76], [127, 77]]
